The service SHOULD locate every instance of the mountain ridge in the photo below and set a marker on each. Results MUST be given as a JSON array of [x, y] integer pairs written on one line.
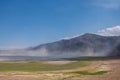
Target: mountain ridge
[[84, 45]]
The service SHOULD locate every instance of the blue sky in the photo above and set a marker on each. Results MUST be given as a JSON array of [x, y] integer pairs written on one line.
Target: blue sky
[[32, 22]]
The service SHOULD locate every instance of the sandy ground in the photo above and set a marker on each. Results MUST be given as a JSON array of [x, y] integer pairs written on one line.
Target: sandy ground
[[113, 66], [57, 62]]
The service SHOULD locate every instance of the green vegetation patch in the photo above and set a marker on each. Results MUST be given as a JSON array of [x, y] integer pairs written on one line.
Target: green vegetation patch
[[39, 66], [90, 73]]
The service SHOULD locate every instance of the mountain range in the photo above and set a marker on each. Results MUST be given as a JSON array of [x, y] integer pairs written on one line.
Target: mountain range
[[83, 45]]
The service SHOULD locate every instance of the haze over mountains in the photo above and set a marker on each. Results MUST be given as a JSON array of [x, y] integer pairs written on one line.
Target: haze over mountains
[[84, 45]]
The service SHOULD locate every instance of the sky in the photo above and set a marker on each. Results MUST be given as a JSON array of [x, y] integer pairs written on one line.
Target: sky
[[26, 23]]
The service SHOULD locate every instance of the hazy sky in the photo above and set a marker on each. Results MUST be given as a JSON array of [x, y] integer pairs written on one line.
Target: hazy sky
[[33, 22]]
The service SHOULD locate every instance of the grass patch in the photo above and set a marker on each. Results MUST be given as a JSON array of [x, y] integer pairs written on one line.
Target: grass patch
[[39, 66], [87, 58], [90, 73]]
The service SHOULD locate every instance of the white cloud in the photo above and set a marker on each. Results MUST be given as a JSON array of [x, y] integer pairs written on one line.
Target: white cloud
[[67, 38], [112, 31], [109, 4]]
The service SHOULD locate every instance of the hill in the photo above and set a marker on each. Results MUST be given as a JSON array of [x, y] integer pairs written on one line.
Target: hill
[[83, 45]]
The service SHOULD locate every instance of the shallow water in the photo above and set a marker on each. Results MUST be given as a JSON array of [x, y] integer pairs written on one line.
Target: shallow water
[[25, 58]]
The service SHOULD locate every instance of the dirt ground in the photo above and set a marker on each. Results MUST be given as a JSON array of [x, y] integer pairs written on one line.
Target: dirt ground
[[112, 66], [58, 62]]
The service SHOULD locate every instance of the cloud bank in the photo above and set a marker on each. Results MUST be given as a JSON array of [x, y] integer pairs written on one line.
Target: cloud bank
[[112, 31]]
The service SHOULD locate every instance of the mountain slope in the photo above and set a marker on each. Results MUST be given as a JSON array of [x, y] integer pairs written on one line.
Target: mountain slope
[[116, 51], [84, 45]]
